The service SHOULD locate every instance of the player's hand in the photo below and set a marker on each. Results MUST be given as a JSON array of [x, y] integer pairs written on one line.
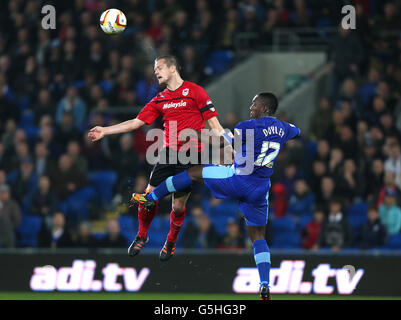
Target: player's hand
[[96, 133]]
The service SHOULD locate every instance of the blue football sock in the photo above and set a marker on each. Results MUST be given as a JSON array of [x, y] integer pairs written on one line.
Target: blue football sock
[[170, 185], [262, 259]]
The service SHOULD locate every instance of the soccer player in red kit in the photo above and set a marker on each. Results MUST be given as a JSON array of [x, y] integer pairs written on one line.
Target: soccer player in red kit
[[183, 105]]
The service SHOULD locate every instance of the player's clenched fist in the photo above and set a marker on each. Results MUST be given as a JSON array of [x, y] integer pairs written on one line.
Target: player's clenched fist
[[96, 133]]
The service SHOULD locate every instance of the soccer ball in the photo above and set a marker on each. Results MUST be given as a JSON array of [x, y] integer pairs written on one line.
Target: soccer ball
[[113, 21]]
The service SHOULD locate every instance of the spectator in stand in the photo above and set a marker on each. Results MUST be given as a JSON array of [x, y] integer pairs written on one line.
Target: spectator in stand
[[322, 151], [23, 181], [368, 88], [393, 163], [302, 201], [78, 161], [234, 238], [10, 217], [348, 182], [43, 163], [66, 130], [336, 161], [279, 200], [327, 190], [374, 180], [199, 232], [85, 237], [43, 202], [390, 213], [53, 146], [229, 29], [311, 232], [44, 106], [321, 119], [113, 237], [319, 170], [347, 55], [67, 179], [57, 235], [372, 233], [146, 87], [335, 231], [73, 103], [21, 152], [125, 162], [387, 184]]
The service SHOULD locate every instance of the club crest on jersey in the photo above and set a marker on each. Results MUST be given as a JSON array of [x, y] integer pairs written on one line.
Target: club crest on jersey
[[185, 92]]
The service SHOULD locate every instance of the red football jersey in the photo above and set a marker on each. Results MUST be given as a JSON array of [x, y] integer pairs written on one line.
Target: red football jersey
[[187, 107]]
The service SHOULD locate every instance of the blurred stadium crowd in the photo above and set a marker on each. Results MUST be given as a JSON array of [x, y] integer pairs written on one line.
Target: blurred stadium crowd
[[338, 187]]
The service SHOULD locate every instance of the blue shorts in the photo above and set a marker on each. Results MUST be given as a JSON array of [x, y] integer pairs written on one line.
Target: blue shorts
[[251, 191]]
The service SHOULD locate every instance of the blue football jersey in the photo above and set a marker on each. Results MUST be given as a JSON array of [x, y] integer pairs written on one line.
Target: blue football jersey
[[261, 141]]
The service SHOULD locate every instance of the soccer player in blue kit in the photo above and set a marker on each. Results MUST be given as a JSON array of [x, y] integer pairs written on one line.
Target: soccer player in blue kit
[[249, 186]]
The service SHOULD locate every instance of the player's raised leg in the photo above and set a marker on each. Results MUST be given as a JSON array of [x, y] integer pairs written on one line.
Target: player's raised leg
[[172, 184], [177, 216], [261, 254], [145, 218]]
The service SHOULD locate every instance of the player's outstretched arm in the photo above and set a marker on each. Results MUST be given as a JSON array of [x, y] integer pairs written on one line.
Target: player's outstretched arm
[[98, 133]]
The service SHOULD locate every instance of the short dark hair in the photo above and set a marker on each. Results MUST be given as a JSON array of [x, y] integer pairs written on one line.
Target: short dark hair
[[170, 61], [270, 100]]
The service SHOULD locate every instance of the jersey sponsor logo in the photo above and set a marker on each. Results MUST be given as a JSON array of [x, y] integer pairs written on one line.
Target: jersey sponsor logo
[[185, 92], [175, 105]]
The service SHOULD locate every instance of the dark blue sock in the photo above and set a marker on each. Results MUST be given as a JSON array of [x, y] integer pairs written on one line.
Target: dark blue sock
[[170, 185], [261, 253]]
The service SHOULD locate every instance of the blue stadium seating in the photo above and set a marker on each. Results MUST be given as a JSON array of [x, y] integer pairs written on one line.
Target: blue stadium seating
[[394, 242], [311, 148], [129, 227], [356, 222], [219, 61], [285, 240], [304, 220], [28, 230], [359, 209], [75, 207], [284, 224], [158, 232], [103, 183]]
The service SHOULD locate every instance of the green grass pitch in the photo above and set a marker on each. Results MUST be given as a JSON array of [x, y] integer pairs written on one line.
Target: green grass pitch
[[168, 296]]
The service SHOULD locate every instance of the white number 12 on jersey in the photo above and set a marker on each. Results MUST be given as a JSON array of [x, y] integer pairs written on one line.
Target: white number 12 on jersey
[[267, 161]]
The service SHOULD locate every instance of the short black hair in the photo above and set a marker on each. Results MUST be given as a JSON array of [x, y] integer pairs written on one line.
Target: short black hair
[[170, 61], [270, 100]]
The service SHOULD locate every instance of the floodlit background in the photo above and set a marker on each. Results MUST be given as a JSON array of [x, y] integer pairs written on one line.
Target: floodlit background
[[341, 87]]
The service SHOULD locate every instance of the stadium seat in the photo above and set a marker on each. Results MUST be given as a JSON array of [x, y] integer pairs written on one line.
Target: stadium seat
[[285, 240], [26, 119], [358, 209], [128, 226], [219, 61], [311, 148], [75, 207], [103, 183], [220, 224], [304, 220], [356, 222], [284, 224], [226, 209], [158, 232], [28, 230], [394, 242]]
